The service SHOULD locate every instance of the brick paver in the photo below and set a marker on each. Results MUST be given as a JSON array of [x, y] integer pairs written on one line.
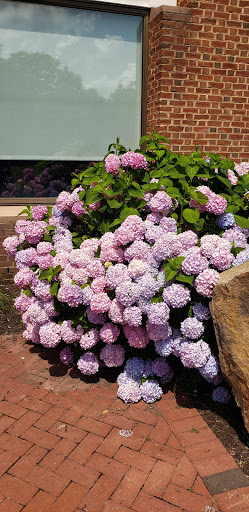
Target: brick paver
[[61, 449]]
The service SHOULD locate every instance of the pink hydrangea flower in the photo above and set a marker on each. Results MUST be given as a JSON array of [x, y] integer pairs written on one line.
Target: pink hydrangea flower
[[158, 332], [89, 339], [39, 212], [44, 248], [72, 294], [137, 336], [112, 164], [116, 311], [176, 295], [134, 160], [10, 244], [109, 333], [232, 177], [66, 356], [133, 316], [78, 209], [205, 282], [192, 328], [88, 364], [160, 202], [50, 334], [69, 334], [112, 355], [100, 303]]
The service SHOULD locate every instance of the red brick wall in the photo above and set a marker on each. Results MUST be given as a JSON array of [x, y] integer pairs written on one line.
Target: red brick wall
[[198, 76]]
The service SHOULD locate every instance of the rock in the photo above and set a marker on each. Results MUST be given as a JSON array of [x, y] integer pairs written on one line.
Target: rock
[[230, 312]]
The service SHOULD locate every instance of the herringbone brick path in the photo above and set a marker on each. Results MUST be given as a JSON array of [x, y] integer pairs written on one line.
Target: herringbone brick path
[[61, 449]]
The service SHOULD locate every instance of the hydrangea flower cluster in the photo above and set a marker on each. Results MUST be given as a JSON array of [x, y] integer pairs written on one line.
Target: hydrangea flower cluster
[[105, 298]]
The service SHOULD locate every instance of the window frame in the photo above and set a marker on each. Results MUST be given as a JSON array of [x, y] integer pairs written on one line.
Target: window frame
[[104, 7]]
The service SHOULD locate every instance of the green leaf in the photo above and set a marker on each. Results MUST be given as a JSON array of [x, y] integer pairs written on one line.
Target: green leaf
[[226, 181], [183, 278], [57, 270], [174, 174], [199, 224], [135, 193], [159, 153], [237, 250], [92, 197], [113, 203], [183, 161], [157, 298], [200, 197], [241, 221], [27, 292], [54, 287], [169, 273], [46, 274], [143, 139], [191, 171], [191, 215], [173, 192], [128, 211], [175, 264]]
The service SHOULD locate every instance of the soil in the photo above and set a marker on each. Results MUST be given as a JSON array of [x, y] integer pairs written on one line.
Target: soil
[[225, 420]]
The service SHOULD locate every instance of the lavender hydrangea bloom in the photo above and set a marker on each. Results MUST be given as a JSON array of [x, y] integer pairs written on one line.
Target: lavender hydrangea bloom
[[89, 339], [127, 293], [201, 312], [160, 366], [134, 368], [226, 221], [167, 376], [88, 364], [205, 282], [158, 332], [66, 356], [112, 355], [133, 316], [164, 347], [176, 295], [158, 313], [50, 334], [210, 370], [194, 355], [148, 371], [71, 294], [242, 257], [150, 391], [192, 328], [129, 392], [221, 395], [116, 275]]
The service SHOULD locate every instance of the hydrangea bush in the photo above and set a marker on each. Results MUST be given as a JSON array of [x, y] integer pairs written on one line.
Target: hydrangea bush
[[120, 272]]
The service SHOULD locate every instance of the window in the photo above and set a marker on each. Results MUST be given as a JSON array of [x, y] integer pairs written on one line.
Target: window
[[71, 82]]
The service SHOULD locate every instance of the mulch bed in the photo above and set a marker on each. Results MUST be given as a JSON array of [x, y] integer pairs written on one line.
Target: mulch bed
[[225, 420]]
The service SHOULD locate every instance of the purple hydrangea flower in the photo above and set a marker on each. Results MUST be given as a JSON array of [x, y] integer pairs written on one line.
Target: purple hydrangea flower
[[192, 328], [88, 364], [221, 395], [66, 356], [151, 391]]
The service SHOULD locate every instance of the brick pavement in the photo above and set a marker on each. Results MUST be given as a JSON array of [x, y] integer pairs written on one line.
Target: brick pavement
[[61, 448]]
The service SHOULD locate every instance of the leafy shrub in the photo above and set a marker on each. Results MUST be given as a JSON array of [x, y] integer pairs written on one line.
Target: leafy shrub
[[122, 269]]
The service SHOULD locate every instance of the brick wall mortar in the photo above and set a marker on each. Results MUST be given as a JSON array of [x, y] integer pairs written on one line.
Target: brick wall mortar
[[198, 73]]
